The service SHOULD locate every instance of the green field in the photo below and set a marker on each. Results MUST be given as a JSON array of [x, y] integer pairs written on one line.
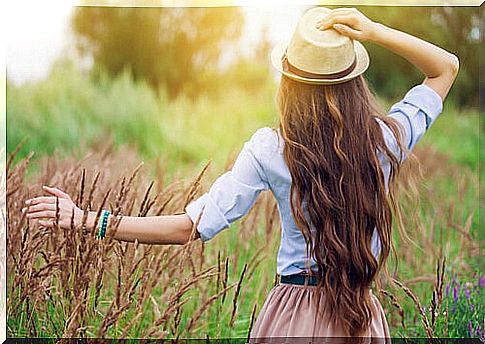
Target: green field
[[68, 115]]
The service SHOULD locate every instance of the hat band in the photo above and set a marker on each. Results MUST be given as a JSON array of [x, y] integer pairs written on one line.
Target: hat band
[[288, 67]]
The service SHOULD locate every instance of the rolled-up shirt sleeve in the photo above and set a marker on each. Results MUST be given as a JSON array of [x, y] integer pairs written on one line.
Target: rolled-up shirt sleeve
[[415, 113], [232, 195]]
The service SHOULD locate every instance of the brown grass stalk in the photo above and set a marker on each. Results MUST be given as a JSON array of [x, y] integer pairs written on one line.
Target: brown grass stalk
[[236, 295]]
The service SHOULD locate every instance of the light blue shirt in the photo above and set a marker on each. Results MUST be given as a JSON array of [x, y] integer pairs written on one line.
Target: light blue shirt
[[260, 166]]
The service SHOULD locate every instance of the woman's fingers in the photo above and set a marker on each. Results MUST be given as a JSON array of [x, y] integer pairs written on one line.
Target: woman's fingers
[[346, 19], [46, 209], [46, 202], [41, 199], [39, 207], [42, 214], [349, 22], [56, 192], [348, 31]]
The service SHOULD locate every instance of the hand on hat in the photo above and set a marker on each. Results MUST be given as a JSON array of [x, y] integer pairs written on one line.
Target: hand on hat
[[349, 22]]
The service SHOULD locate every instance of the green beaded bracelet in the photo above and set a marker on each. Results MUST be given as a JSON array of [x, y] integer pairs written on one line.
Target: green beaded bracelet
[[103, 223]]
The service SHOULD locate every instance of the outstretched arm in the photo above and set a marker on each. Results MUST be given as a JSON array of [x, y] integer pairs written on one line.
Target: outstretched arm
[[439, 66], [230, 197], [165, 229]]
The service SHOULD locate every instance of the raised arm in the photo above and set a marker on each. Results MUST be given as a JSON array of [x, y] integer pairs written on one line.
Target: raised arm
[[439, 66]]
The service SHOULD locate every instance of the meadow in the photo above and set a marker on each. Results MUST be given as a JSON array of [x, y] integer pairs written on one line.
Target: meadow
[[89, 137]]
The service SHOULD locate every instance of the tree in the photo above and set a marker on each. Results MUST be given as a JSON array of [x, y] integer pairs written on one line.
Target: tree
[[166, 46]]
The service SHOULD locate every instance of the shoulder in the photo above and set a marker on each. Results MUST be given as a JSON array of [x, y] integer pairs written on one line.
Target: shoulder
[[255, 156]]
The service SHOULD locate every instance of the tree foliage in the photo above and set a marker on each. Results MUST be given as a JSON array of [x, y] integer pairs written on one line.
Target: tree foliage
[[180, 48], [169, 46]]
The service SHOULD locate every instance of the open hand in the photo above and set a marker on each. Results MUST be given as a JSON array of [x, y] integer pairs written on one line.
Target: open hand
[[43, 209], [349, 22]]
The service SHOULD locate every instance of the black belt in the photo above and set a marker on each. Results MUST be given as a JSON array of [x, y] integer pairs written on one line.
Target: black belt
[[299, 279]]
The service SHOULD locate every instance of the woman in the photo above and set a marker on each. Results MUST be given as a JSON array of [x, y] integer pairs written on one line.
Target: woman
[[331, 166]]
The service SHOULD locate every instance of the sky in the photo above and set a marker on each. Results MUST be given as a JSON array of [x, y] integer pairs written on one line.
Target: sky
[[39, 33], [37, 36]]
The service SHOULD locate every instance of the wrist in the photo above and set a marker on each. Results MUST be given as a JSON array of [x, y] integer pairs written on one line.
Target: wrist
[[376, 32], [91, 222]]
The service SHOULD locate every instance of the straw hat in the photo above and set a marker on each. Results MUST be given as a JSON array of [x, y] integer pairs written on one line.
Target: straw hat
[[317, 56]]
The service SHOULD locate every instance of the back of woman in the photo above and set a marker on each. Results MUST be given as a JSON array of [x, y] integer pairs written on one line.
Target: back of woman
[[332, 165], [336, 162]]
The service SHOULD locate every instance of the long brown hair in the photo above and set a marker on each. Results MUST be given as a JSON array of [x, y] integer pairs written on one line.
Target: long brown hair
[[338, 194]]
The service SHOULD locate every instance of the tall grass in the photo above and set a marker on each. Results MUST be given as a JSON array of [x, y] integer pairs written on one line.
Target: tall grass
[[66, 283]]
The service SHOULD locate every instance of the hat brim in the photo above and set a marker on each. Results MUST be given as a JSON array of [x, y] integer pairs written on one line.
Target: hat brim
[[362, 64]]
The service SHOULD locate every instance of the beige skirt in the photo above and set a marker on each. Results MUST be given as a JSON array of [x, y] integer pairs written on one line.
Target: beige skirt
[[290, 311]]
